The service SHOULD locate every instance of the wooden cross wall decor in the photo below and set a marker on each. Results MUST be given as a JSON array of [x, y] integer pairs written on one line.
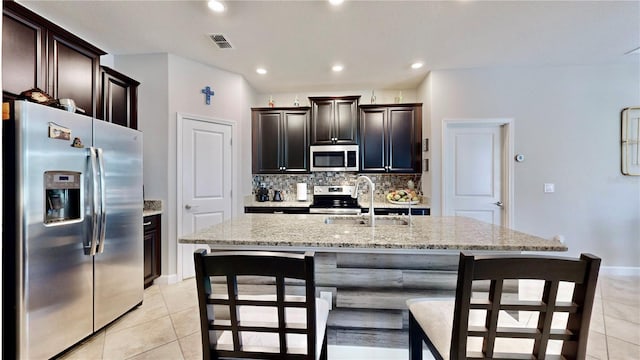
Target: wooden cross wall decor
[[208, 93]]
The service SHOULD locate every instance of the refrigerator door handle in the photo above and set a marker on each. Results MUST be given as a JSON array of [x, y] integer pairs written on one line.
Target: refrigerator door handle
[[93, 245], [103, 197]]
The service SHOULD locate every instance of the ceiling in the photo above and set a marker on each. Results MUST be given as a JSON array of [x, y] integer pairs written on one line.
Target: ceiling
[[376, 41]]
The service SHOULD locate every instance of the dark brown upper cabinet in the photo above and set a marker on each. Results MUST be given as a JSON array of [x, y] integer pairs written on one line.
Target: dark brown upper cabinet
[[23, 64], [118, 101], [390, 138], [280, 140], [38, 53], [334, 120], [73, 72]]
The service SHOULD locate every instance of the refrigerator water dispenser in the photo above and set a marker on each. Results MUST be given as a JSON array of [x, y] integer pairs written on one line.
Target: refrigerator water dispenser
[[62, 197]]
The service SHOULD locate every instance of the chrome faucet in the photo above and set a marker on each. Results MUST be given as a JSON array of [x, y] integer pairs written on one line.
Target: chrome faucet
[[372, 188]]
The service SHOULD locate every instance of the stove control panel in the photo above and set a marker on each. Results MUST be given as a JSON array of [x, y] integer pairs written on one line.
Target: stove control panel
[[333, 190]]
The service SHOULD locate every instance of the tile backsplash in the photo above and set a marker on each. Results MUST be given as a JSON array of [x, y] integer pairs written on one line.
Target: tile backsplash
[[287, 183]]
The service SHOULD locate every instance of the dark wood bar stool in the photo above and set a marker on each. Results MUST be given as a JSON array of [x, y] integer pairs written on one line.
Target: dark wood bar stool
[[472, 327], [276, 324]]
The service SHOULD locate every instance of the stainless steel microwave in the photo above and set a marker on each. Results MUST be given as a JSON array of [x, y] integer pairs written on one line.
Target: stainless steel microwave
[[334, 158]]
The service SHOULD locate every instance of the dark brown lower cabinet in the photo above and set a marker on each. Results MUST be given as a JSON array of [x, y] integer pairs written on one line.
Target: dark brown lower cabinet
[[398, 211], [276, 210], [152, 245]]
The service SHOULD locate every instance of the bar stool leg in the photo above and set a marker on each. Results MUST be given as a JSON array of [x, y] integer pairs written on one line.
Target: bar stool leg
[[415, 340]]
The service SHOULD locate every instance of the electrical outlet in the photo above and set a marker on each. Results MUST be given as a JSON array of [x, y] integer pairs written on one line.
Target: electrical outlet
[[549, 188], [328, 297]]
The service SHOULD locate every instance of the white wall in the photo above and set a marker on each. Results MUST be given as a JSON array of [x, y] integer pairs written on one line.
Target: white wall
[[171, 85], [153, 98], [423, 94], [567, 125], [230, 102]]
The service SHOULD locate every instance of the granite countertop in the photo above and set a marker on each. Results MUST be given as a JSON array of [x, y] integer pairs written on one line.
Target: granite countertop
[[151, 207], [261, 231], [255, 203], [151, 212]]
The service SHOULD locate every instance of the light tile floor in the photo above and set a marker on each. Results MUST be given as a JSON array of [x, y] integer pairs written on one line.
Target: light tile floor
[[166, 327]]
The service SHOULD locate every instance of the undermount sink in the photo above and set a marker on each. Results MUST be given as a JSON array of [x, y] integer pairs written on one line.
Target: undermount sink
[[365, 222], [345, 221]]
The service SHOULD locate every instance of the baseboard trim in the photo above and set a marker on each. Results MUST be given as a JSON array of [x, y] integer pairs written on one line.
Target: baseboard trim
[[620, 270], [166, 279]]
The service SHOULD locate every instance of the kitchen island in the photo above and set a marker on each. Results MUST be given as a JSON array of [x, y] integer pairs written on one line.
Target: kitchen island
[[294, 232], [371, 272]]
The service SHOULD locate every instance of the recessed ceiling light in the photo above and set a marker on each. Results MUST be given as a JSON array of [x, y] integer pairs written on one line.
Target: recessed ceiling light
[[216, 6], [261, 71], [416, 65], [337, 68], [336, 2]]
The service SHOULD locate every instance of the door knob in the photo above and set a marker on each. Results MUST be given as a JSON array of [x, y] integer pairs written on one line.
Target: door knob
[[498, 203], [188, 207]]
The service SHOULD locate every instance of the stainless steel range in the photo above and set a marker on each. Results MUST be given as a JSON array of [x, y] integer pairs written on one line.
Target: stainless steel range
[[334, 200]]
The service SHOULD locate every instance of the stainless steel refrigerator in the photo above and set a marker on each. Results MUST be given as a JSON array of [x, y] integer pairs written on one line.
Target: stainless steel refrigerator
[[72, 228]]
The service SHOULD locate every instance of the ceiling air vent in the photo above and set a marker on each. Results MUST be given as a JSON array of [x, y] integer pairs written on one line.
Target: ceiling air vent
[[221, 41]]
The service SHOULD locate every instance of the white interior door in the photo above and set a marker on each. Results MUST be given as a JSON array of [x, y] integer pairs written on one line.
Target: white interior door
[[473, 171], [206, 181]]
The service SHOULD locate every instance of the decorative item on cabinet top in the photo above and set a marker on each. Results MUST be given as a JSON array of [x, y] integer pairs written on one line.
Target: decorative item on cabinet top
[[630, 139], [38, 96]]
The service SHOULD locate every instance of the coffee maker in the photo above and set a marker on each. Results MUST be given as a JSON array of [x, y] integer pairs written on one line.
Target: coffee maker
[[262, 194]]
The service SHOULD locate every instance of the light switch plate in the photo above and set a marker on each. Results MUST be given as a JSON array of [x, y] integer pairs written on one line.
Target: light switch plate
[[549, 188]]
